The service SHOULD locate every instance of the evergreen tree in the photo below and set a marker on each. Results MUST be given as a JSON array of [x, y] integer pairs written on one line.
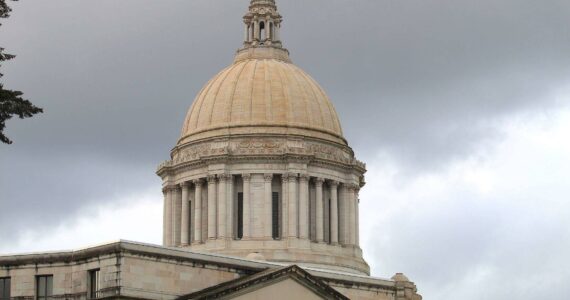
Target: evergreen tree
[[11, 102]]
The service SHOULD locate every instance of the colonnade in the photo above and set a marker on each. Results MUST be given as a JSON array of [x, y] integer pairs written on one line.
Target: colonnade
[[308, 208], [254, 32]]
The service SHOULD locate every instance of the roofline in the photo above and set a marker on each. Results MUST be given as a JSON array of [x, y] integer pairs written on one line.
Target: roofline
[[125, 246]]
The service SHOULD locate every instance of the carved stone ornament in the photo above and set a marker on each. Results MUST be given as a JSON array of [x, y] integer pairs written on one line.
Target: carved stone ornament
[[268, 177], [211, 179], [185, 184], [246, 177]]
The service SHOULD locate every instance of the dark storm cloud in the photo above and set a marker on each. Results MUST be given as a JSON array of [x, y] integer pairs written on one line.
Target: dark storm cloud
[[425, 81]]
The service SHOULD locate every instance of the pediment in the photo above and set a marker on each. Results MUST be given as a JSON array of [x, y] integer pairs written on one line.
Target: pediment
[[276, 284]]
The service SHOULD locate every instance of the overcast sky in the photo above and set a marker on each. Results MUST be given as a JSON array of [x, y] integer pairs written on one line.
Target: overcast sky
[[461, 110]]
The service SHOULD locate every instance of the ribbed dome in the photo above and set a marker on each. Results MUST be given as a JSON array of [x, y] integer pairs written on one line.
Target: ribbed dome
[[262, 93]]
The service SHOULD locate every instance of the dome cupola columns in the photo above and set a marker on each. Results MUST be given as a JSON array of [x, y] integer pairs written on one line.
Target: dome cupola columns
[[262, 24], [262, 33]]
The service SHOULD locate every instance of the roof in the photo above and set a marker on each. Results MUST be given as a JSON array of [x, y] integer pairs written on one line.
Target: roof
[[256, 281], [150, 250], [262, 93]]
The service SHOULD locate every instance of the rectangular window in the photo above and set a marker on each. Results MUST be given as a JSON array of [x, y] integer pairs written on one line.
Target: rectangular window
[[240, 216], [5, 288], [94, 284], [44, 287], [329, 231], [275, 215]]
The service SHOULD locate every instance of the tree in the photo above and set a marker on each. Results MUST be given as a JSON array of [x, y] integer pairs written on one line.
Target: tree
[[11, 102]]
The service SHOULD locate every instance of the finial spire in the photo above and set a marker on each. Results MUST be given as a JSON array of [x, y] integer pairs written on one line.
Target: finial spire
[[262, 25]]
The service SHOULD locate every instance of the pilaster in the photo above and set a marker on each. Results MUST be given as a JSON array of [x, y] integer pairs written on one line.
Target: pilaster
[[185, 215], [334, 211], [212, 207]]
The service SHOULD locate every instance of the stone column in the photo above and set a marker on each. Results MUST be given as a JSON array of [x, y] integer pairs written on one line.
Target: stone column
[[351, 215], [212, 207], [246, 206], [255, 30], [222, 206], [176, 213], [293, 200], [165, 219], [284, 206], [344, 206], [268, 228], [304, 220], [231, 219], [320, 210], [267, 28], [198, 211], [357, 216], [334, 212], [185, 210]]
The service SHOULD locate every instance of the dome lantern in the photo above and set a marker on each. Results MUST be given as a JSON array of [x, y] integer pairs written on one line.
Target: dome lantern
[[262, 25]]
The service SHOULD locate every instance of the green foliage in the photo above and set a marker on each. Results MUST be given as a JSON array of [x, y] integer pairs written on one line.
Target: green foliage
[[11, 102]]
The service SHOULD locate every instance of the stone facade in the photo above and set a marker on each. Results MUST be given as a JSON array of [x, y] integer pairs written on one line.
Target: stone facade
[[260, 200], [140, 271]]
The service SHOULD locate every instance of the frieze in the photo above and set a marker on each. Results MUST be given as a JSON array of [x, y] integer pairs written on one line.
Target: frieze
[[263, 147]]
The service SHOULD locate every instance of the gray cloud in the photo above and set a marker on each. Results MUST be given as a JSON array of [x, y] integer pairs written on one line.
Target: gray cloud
[[426, 82]]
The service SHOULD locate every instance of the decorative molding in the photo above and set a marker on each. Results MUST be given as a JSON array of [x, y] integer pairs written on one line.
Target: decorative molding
[[268, 177], [185, 184], [225, 177], [244, 147], [246, 177]]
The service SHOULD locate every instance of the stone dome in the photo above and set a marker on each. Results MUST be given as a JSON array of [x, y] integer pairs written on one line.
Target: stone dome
[[262, 92]]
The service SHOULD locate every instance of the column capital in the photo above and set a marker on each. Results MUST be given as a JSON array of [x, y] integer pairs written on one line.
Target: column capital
[[172, 187], [246, 177], [304, 177], [185, 184], [268, 177], [333, 183], [319, 181], [224, 177], [353, 187], [290, 176], [198, 181], [211, 179]]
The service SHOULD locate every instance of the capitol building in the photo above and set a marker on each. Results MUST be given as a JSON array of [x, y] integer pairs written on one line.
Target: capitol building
[[261, 200]]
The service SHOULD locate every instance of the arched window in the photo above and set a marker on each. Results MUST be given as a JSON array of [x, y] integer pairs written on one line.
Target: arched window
[[261, 31], [271, 31]]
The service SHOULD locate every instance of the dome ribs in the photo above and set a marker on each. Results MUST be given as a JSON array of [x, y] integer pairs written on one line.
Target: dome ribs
[[195, 116], [241, 109], [223, 105], [279, 97], [231, 101], [258, 98], [334, 116], [269, 94], [221, 89], [302, 113], [262, 95]]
